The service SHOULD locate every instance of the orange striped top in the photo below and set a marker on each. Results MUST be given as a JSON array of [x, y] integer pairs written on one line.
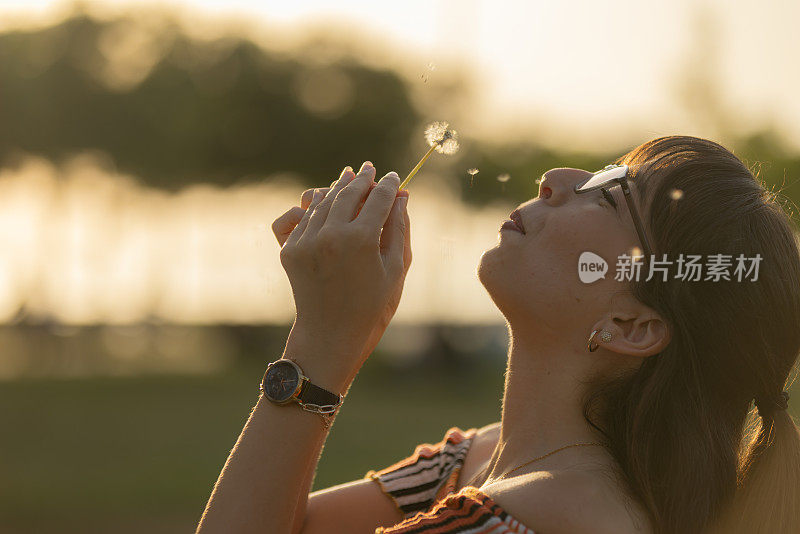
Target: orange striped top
[[422, 487]]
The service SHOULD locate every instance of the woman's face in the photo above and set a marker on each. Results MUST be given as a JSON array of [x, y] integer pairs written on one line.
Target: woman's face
[[534, 276]]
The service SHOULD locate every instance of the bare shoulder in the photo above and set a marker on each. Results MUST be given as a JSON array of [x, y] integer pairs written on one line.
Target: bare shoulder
[[570, 501], [479, 452], [576, 501], [486, 437]]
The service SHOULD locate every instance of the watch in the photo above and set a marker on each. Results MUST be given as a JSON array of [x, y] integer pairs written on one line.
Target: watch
[[284, 382]]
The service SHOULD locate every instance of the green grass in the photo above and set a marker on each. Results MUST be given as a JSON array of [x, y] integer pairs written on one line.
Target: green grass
[[134, 455], [142, 454]]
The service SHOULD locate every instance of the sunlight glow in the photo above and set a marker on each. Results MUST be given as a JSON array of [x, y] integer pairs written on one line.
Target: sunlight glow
[[83, 244]]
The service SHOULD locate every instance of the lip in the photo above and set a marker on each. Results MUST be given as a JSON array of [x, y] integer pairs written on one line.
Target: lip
[[517, 219], [509, 224]]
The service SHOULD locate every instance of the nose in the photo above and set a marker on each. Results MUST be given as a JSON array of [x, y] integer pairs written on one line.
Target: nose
[[558, 185]]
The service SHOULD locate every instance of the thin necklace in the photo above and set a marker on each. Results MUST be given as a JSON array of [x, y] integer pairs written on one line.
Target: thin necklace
[[548, 454]]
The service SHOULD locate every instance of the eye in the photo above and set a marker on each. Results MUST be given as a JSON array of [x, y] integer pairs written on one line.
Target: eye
[[609, 198]]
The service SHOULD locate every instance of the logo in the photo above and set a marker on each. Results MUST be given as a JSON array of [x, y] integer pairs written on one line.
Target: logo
[[591, 267], [688, 268]]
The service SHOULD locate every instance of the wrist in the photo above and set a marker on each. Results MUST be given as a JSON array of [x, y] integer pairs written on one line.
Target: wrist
[[326, 364]]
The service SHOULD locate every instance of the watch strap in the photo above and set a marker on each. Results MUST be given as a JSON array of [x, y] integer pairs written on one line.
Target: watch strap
[[313, 394]]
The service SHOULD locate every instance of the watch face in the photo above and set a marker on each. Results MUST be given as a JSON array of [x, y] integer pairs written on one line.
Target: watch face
[[281, 381]]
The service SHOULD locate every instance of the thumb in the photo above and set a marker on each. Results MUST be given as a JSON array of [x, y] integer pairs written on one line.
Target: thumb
[[393, 235]]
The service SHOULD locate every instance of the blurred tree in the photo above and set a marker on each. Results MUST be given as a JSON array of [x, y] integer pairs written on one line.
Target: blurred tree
[[173, 110], [699, 91]]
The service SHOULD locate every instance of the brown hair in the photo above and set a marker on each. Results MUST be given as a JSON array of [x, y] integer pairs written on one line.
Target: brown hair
[[682, 428]]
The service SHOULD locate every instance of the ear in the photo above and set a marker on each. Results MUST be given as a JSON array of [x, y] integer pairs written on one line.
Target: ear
[[639, 334]]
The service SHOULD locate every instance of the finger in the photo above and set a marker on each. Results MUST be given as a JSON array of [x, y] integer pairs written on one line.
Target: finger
[[343, 208], [320, 214], [379, 204], [407, 238], [386, 232], [305, 198], [298, 231], [372, 186], [392, 237], [283, 225]]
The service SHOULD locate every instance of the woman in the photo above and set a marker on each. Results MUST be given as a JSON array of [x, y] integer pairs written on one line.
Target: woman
[[627, 403]]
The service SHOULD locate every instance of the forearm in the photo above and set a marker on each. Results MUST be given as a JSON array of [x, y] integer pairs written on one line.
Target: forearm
[[261, 485], [302, 499]]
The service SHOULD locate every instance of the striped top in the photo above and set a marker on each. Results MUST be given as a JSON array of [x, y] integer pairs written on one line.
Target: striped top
[[422, 487]]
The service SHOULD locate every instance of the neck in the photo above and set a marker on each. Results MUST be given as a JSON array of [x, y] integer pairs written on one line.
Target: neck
[[542, 406]]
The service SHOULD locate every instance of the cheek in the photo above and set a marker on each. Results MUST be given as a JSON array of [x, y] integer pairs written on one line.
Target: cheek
[[565, 235], [552, 253]]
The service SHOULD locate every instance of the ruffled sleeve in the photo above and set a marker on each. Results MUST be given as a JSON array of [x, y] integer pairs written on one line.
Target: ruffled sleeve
[[468, 510], [415, 483]]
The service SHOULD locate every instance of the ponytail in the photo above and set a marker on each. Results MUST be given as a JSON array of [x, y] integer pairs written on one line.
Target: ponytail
[[767, 499]]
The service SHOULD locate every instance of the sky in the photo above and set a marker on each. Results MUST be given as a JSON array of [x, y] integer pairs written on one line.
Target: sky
[[568, 70]]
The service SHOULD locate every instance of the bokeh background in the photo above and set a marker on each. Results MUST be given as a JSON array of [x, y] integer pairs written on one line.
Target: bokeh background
[[145, 150]]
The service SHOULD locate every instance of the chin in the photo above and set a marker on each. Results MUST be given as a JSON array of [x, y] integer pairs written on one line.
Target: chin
[[502, 258], [496, 275], [488, 264]]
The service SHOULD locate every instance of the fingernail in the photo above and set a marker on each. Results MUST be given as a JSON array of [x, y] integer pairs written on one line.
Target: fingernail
[[365, 166], [317, 195], [344, 175]]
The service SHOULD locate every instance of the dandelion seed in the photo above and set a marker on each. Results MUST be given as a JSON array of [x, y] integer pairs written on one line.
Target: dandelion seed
[[441, 139], [424, 75], [676, 194], [472, 172], [504, 177]]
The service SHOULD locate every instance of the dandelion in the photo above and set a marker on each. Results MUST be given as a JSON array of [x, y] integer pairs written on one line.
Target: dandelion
[[676, 194], [441, 139], [504, 177]]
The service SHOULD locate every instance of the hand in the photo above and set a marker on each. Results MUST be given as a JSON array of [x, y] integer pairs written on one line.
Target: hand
[[283, 225], [347, 283]]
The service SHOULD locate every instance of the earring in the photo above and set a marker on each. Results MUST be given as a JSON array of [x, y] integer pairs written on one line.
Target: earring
[[605, 336]]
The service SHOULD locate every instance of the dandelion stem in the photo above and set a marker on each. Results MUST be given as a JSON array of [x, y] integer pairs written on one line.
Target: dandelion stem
[[418, 166]]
